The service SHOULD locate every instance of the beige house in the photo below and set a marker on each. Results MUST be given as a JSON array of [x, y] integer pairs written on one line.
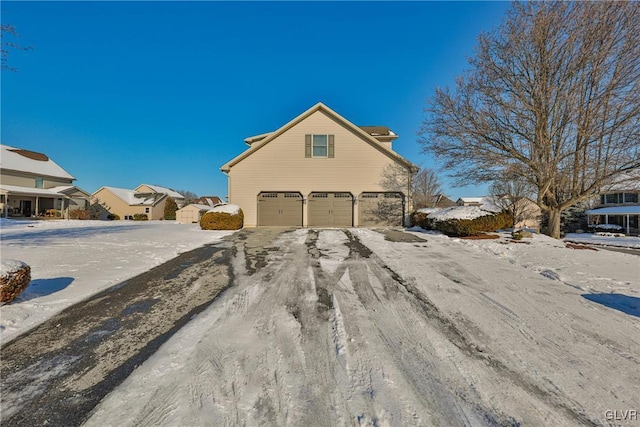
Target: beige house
[[127, 203], [319, 170], [33, 185], [148, 188]]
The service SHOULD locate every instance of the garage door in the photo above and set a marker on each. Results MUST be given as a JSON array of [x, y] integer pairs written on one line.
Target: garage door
[[280, 209], [330, 210], [380, 209]]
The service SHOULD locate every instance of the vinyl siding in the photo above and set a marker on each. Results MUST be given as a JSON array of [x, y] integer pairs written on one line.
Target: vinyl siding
[[30, 180], [281, 166], [116, 205]]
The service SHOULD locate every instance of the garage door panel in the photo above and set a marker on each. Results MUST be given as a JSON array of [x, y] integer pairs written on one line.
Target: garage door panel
[[381, 209], [280, 209], [330, 210], [342, 210]]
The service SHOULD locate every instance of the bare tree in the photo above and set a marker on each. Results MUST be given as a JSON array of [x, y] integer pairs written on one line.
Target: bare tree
[[189, 197], [512, 193], [554, 89], [8, 32], [426, 186]]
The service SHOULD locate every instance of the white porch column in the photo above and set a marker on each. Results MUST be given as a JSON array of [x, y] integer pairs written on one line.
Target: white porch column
[[628, 227], [37, 205], [606, 218]]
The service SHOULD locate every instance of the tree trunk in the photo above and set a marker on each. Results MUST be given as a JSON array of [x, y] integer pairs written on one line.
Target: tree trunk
[[554, 222]]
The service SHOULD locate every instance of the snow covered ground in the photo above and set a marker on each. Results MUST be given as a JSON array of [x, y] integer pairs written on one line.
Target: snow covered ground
[[605, 239], [352, 327], [437, 331], [72, 260]]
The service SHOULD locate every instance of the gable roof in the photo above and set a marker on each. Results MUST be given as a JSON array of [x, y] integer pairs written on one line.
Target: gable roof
[[379, 131], [259, 141], [627, 181], [198, 206], [208, 200], [157, 189], [28, 191], [134, 198], [20, 160]]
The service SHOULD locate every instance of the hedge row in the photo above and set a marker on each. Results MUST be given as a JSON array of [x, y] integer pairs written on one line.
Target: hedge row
[[79, 214], [464, 227], [222, 221]]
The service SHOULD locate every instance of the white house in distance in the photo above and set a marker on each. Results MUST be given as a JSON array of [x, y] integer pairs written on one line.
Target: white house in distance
[[319, 170], [33, 185], [619, 205]]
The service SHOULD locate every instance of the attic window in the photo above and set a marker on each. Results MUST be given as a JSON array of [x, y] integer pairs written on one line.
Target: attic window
[[31, 155], [319, 146]]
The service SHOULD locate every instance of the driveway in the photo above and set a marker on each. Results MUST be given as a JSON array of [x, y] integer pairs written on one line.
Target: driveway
[[308, 327]]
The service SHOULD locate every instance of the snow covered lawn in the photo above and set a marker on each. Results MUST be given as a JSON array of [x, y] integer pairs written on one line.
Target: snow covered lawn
[[605, 239], [72, 260]]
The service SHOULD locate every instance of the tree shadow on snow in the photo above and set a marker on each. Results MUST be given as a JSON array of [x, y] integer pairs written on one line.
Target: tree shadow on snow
[[43, 287], [620, 302]]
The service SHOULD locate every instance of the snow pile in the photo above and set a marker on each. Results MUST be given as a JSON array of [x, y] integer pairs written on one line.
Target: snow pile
[[226, 208], [606, 227], [459, 212], [428, 210]]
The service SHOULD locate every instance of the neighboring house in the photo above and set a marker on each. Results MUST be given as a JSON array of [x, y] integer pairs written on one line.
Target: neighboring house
[[619, 205], [147, 188], [318, 170], [127, 203], [31, 184], [208, 200], [441, 201], [470, 201]]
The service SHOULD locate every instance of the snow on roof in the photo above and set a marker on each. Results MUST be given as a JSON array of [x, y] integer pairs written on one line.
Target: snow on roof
[[21, 160], [615, 210], [459, 212], [472, 199], [230, 209], [129, 196], [629, 181], [164, 190], [49, 192], [199, 206]]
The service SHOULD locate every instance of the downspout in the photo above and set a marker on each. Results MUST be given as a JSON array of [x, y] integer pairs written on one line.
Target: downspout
[[409, 207]]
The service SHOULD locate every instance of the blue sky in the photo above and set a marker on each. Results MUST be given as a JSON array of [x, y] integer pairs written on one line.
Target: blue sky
[[124, 93]]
